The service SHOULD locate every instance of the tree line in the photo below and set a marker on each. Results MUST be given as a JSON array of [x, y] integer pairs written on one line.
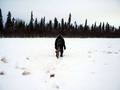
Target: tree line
[[19, 28]]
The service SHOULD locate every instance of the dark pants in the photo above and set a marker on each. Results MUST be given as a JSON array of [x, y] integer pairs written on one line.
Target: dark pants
[[61, 50]]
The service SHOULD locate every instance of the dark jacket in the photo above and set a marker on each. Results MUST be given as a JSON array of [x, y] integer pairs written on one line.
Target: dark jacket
[[59, 42]]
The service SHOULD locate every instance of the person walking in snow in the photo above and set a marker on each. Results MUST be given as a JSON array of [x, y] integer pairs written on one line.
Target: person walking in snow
[[59, 45]]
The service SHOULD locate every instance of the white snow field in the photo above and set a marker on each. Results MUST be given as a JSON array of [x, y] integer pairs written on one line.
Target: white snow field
[[87, 64]]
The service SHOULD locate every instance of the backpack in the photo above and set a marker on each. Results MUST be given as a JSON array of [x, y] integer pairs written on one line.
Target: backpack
[[59, 42]]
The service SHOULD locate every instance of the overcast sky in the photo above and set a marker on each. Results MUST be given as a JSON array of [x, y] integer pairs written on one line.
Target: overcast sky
[[93, 10]]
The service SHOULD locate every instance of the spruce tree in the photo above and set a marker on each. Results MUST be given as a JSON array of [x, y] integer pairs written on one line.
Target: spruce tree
[[8, 24], [62, 24], [36, 24], [31, 22], [85, 26], [1, 21], [69, 19], [55, 23], [50, 25], [103, 27]]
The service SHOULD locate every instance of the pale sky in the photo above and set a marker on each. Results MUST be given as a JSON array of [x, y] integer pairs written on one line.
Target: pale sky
[[93, 10]]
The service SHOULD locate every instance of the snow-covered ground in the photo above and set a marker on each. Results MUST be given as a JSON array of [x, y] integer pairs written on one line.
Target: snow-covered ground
[[88, 64]]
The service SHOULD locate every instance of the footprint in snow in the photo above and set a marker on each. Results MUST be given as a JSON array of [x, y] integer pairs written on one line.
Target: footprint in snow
[[25, 73], [4, 60], [115, 52], [109, 52], [2, 73], [56, 86], [27, 58]]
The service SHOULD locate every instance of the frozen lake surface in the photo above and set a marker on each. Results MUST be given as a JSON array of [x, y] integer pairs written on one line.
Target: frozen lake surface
[[87, 64]]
